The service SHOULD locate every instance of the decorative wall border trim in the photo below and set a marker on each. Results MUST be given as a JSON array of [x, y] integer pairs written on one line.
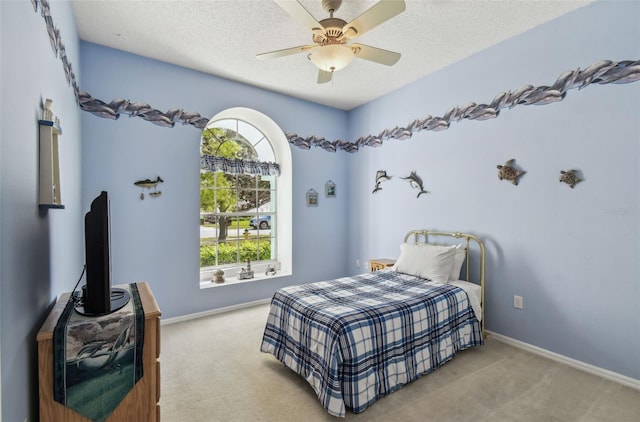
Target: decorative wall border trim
[[602, 72], [57, 45], [119, 106]]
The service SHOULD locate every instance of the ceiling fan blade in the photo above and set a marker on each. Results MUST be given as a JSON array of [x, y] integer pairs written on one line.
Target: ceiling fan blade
[[375, 54], [324, 76], [302, 15], [285, 52], [377, 14]]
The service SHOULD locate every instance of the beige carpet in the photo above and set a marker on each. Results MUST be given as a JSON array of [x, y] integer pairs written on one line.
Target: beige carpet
[[212, 370]]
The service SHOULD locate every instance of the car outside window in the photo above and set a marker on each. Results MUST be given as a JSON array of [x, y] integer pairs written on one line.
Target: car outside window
[[237, 211]]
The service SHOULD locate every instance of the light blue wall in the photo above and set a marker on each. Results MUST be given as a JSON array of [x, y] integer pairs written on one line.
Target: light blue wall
[[157, 240], [41, 254], [572, 254]]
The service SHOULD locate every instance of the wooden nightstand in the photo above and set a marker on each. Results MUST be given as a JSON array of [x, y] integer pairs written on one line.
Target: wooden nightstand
[[381, 263]]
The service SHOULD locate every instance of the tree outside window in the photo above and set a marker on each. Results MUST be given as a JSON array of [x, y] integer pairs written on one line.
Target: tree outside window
[[237, 211]]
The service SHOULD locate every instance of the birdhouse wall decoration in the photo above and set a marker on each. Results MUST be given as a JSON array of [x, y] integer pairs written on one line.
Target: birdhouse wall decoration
[[509, 172], [330, 189], [312, 198]]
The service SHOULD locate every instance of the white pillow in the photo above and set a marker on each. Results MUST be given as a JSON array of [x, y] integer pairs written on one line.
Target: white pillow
[[458, 260], [426, 261]]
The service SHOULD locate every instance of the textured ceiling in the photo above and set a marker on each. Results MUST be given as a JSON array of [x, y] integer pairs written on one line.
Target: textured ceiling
[[222, 37]]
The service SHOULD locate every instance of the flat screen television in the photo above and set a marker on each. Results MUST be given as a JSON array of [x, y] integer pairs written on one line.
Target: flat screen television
[[98, 298]]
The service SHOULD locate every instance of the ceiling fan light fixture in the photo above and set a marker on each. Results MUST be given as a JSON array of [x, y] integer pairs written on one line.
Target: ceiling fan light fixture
[[331, 57], [318, 31], [349, 32]]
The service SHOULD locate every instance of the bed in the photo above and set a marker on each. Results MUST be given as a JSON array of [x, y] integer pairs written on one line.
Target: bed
[[357, 339]]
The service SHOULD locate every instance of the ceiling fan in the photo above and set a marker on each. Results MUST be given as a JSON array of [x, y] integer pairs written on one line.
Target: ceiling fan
[[331, 51]]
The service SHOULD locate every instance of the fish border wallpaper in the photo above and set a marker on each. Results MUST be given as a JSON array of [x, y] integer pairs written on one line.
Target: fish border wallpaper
[[602, 72]]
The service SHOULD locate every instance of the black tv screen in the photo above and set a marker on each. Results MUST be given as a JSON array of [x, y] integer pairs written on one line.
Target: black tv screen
[[97, 291]]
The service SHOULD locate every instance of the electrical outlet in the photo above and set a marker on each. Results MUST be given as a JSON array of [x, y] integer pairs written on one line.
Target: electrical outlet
[[358, 263], [517, 302]]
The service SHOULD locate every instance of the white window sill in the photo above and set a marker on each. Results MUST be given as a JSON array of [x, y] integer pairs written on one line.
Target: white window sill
[[233, 280]]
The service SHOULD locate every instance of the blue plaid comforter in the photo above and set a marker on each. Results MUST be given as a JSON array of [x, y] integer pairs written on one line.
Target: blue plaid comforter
[[356, 339]]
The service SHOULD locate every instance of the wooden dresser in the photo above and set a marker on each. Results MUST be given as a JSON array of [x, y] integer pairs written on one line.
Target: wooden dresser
[[142, 402]]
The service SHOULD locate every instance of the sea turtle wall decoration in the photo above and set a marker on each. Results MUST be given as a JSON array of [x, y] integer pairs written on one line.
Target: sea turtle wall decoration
[[569, 177], [508, 172]]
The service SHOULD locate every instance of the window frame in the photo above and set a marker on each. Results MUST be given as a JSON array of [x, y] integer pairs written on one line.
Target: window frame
[[283, 202]]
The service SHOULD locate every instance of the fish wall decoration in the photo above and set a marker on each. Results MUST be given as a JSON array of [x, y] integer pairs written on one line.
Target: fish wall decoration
[[415, 182], [381, 176], [150, 184]]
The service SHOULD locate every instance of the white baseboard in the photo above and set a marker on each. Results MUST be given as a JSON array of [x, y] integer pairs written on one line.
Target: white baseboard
[[604, 373], [214, 311]]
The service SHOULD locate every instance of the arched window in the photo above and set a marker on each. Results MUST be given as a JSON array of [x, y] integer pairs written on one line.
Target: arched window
[[245, 198]]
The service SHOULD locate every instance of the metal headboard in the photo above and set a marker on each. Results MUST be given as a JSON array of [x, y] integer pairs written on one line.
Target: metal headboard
[[422, 236]]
